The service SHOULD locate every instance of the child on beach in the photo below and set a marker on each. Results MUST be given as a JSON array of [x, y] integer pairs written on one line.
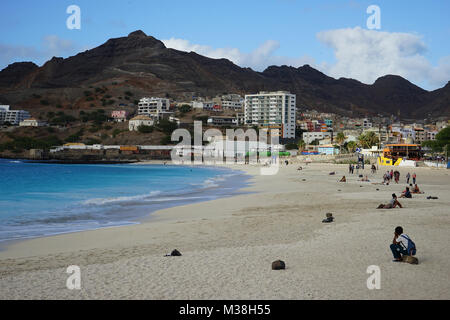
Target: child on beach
[[402, 245], [414, 178], [408, 176]]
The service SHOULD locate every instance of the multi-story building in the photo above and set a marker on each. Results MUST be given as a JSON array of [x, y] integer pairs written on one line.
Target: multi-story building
[[230, 101], [431, 135], [420, 135], [309, 137], [366, 123], [13, 117], [153, 106], [270, 110], [204, 105]]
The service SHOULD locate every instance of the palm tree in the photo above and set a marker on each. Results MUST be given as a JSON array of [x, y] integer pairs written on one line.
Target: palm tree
[[340, 139], [351, 146], [301, 145], [368, 139]]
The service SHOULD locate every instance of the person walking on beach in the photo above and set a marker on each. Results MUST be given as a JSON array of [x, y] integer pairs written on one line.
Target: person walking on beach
[[408, 176], [402, 245], [349, 168], [414, 178], [396, 176], [391, 174]]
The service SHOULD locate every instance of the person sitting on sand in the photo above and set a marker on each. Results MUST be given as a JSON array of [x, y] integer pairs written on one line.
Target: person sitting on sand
[[343, 179], [365, 179], [416, 189], [406, 194], [392, 204], [402, 245]]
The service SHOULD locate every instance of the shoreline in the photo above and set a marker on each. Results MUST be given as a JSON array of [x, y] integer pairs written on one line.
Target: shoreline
[[228, 245], [147, 217]]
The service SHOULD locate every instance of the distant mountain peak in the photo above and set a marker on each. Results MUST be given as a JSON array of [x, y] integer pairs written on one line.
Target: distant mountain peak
[[138, 33]]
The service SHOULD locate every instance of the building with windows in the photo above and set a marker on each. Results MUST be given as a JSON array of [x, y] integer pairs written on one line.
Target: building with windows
[[153, 106], [13, 117], [366, 123], [309, 137], [141, 120], [119, 115], [431, 135], [223, 121], [272, 110]]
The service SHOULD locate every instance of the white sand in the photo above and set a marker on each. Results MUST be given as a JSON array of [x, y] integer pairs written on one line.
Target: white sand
[[228, 245]]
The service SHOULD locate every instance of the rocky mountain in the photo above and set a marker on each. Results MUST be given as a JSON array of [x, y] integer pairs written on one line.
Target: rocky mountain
[[143, 65]]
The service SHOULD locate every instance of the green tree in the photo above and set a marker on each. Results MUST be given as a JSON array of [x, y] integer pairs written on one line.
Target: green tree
[[145, 129], [368, 139], [185, 108], [442, 142], [301, 145], [340, 139], [166, 126], [351, 146]]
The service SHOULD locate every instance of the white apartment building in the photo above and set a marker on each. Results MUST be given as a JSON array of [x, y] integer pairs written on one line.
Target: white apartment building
[[233, 105], [13, 117], [309, 137], [272, 109], [153, 106], [204, 105], [431, 135], [366, 123], [231, 101]]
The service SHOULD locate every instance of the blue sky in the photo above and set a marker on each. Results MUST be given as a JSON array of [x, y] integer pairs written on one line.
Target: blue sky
[[330, 35]]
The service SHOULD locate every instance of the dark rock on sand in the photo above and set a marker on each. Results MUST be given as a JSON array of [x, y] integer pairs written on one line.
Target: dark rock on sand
[[175, 253], [278, 265]]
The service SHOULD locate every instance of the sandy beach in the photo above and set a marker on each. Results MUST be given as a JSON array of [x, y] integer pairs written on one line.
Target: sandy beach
[[228, 245]]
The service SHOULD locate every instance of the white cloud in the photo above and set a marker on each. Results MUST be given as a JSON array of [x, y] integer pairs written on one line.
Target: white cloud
[[259, 59], [360, 54], [51, 46], [55, 46], [366, 55]]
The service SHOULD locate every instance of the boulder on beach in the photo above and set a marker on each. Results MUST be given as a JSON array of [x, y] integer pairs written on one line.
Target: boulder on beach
[[278, 265], [410, 260], [175, 253]]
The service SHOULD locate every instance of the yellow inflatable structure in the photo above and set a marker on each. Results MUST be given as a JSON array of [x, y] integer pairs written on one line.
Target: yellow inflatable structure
[[383, 161]]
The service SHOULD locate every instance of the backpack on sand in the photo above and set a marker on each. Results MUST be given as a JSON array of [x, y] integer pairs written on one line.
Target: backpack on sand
[[411, 249]]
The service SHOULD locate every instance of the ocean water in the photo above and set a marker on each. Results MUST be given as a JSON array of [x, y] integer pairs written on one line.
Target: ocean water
[[45, 199]]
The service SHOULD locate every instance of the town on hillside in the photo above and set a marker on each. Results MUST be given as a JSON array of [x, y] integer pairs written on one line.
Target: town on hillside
[[142, 130]]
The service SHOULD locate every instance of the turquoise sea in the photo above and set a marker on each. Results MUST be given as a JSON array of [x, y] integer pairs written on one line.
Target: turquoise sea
[[45, 199]]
